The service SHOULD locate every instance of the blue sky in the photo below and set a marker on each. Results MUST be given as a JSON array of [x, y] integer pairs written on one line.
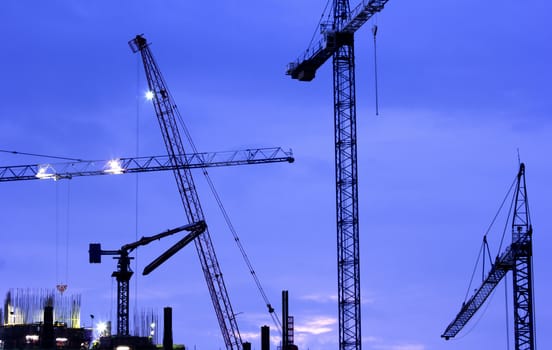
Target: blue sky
[[463, 85]]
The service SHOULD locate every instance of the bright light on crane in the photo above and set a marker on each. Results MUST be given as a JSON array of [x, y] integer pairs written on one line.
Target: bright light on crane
[[101, 328], [46, 172], [114, 167], [149, 95]]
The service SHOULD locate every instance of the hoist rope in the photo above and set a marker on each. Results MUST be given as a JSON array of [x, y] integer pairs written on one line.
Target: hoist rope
[[315, 32], [67, 232], [508, 217], [534, 303], [476, 322], [473, 272], [481, 250], [57, 232], [137, 177], [507, 312], [62, 280], [374, 32], [233, 230], [500, 208]]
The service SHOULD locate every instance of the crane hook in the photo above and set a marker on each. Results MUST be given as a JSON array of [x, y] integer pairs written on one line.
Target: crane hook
[[374, 32]]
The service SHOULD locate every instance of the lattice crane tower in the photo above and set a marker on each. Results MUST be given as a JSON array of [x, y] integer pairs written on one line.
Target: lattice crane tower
[[338, 41]]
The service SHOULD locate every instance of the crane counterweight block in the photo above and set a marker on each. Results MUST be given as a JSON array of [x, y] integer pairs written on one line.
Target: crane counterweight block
[[95, 253]]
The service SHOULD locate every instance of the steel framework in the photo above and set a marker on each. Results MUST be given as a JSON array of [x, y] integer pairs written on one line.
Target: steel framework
[[69, 170], [124, 272], [338, 42], [168, 116], [518, 258]]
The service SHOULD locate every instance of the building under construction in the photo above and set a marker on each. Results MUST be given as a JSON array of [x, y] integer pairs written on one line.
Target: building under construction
[[49, 319], [42, 319]]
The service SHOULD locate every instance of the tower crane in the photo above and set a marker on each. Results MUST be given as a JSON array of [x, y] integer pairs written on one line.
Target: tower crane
[[124, 272], [129, 165], [338, 41], [517, 257]]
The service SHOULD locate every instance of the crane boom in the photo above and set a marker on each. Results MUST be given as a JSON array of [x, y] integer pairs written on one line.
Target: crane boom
[[69, 170], [124, 272], [167, 114], [517, 257], [499, 269], [338, 41]]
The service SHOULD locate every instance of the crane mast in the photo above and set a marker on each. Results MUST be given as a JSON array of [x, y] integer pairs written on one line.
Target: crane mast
[[348, 270], [167, 114], [124, 272], [522, 232], [338, 42], [517, 257]]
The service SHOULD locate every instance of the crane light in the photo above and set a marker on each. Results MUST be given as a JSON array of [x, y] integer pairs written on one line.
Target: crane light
[[101, 328], [45, 172], [114, 167], [149, 95]]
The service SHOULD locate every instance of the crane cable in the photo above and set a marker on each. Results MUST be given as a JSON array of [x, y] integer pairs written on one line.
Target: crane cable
[[476, 322], [507, 312], [318, 25], [41, 155], [374, 32], [487, 233], [137, 180], [61, 283], [271, 310]]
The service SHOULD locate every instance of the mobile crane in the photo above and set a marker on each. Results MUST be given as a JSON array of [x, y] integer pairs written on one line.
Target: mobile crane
[[124, 272], [338, 41], [518, 258]]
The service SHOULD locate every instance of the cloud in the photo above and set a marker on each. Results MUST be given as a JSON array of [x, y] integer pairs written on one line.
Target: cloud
[[378, 343], [317, 325], [325, 298], [320, 298], [402, 347], [251, 335]]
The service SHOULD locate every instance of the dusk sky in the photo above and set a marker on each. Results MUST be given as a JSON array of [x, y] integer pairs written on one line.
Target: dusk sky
[[463, 85]]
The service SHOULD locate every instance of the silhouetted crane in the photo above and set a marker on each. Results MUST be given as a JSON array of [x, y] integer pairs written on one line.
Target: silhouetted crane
[[124, 273], [69, 170], [338, 41], [516, 258], [168, 117]]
